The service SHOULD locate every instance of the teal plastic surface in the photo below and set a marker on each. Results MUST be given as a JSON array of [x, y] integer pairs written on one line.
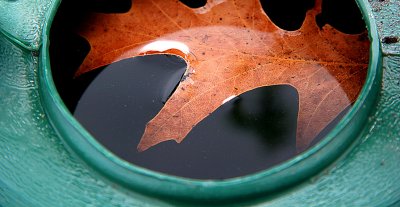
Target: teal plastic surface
[[48, 159]]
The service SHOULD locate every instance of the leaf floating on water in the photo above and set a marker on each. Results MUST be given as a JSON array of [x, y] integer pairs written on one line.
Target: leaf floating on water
[[231, 47]]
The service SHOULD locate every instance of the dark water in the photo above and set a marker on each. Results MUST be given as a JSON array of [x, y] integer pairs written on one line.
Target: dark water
[[248, 134]]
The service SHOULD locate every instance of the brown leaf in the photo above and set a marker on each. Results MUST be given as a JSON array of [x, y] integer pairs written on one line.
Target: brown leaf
[[231, 47]]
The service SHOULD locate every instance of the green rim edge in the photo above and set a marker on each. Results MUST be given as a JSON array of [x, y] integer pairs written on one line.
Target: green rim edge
[[266, 182]]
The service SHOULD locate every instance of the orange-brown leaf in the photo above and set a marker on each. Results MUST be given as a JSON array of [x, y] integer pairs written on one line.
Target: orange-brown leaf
[[231, 47]]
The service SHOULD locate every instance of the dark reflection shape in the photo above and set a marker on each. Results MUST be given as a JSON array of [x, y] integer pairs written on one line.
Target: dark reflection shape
[[194, 3], [68, 51], [103, 6], [110, 6], [287, 14], [268, 106], [125, 96], [72, 13], [344, 15]]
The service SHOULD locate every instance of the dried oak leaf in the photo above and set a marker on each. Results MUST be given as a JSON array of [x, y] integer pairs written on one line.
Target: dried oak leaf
[[231, 46]]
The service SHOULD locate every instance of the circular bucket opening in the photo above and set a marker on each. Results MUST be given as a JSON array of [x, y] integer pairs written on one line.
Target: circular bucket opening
[[291, 169]]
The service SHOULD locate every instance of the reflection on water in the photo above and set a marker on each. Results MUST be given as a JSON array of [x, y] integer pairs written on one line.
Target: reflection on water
[[164, 45], [249, 133]]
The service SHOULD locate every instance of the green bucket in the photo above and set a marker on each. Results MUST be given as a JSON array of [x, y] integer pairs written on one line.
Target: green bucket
[[48, 159]]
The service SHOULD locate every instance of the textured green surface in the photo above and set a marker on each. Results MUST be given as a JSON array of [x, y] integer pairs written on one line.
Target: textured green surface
[[387, 16], [25, 20], [37, 169], [35, 166], [369, 174]]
